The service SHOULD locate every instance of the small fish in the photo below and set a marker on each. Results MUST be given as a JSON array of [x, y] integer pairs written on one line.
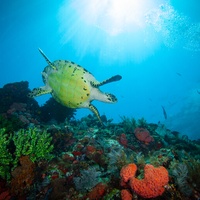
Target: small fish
[[178, 74], [198, 91], [164, 112]]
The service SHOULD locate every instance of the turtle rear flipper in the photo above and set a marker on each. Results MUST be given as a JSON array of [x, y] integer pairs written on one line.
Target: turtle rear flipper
[[112, 79], [96, 112], [39, 91]]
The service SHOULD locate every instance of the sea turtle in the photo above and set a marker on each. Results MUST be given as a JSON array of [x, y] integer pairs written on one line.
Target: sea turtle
[[72, 85]]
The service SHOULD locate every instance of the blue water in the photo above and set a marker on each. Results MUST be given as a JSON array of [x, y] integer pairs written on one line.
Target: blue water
[[155, 46]]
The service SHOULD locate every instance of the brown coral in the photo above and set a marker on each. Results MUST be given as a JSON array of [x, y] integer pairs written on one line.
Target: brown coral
[[23, 176]]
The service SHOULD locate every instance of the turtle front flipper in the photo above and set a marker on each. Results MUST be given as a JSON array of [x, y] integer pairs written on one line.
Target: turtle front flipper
[[112, 79], [39, 91], [96, 112]]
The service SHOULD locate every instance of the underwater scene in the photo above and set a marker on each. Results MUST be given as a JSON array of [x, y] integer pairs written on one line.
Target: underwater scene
[[100, 100]]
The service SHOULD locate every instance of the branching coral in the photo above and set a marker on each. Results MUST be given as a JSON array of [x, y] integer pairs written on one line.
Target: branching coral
[[142, 123], [117, 158], [5, 156], [194, 172], [181, 174], [128, 124], [34, 143]]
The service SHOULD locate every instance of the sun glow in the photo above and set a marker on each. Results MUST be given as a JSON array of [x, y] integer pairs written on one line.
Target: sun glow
[[114, 16], [124, 29]]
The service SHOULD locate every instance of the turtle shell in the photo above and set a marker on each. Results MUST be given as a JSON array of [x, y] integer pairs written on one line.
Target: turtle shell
[[69, 82]]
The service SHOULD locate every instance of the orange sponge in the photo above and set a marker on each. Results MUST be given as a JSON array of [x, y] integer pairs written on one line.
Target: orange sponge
[[153, 183], [126, 195], [127, 172]]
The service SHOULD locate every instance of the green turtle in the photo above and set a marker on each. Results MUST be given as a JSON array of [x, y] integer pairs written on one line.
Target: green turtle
[[73, 86]]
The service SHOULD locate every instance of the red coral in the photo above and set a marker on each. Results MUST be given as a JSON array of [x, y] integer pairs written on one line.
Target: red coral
[[126, 195], [77, 153], [4, 190], [153, 183], [5, 195], [90, 149], [54, 175], [123, 140], [97, 192], [68, 157], [128, 172], [143, 135]]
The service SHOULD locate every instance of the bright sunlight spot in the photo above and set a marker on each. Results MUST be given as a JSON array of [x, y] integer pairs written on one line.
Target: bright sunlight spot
[[114, 16], [121, 30]]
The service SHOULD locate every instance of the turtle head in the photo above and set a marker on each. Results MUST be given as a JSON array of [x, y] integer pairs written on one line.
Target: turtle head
[[111, 98]]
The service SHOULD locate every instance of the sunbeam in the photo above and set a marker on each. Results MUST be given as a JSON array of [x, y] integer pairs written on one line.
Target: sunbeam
[[123, 29]]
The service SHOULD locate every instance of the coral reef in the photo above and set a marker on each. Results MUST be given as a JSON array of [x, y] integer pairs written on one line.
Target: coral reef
[[52, 110], [14, 101], [151, 186], [97, 192], [59, 191], [153, 183], [22, 112], [128, 124], [127, 172], [180, 172], [16, 93], [112, 193], [5, 195], [88, 179], [10, 122], [193, 166], [126, 195], [123, 140], [32, 142], [5, 155], [4, 190], [88, 160], [143, 135], [23, 177]]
